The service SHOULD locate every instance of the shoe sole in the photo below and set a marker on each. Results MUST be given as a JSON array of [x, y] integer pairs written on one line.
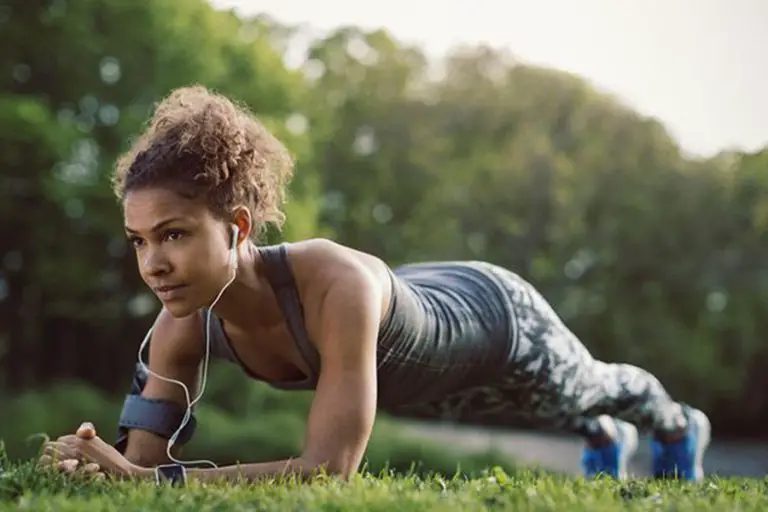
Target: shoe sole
[[703, 438], [629, 441]]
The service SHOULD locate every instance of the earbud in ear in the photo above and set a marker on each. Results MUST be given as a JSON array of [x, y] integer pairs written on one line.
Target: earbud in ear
[[233, 247], [235, 232]]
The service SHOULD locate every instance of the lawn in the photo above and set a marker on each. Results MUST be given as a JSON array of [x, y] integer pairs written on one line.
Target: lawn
[[24, 487]]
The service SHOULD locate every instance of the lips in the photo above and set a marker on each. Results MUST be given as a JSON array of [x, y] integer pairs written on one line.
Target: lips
[[170, 292]]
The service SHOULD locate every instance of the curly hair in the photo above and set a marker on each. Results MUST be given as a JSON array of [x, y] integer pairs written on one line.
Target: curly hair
[[204, 146]]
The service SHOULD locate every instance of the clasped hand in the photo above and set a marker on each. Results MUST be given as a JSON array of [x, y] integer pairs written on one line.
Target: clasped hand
[[85, 452]]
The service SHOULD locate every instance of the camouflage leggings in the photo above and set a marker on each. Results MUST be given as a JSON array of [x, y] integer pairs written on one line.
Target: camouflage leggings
[[553, 381]]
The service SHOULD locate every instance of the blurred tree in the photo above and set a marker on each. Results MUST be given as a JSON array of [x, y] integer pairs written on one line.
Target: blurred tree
[[485, 157], [78, 80], [651, 257]]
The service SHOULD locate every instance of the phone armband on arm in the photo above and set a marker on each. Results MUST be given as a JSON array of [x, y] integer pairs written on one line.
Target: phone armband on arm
[[159, 416]]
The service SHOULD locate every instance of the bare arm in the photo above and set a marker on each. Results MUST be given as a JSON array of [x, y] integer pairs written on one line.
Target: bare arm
[[175, 352], [344, 408]]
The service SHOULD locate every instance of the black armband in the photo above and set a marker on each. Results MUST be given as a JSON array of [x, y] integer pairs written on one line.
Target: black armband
[[161, 417]]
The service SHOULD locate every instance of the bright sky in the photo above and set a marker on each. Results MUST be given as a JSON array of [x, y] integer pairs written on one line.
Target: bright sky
[[698, 65]]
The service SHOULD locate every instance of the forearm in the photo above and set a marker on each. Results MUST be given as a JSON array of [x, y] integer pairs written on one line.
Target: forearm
[[251, 472], [148, 450]]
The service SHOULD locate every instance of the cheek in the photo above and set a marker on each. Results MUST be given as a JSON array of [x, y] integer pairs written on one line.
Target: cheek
[[192, 259], [202, 261]]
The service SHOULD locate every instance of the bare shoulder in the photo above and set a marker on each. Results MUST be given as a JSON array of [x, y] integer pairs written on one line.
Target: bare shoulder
[[320, 264], [179, 338], [325, 259]]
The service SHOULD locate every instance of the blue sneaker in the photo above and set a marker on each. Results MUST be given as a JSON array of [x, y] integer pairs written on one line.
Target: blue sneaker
[[612, 458], [683, 459]]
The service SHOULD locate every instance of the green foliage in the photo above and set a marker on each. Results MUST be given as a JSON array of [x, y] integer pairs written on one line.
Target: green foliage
[[65, 115], [650, 256]]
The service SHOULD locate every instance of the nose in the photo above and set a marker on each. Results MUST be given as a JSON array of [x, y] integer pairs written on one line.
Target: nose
[[154, 261]]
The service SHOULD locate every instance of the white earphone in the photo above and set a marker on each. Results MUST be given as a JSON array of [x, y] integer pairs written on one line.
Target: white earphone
[[204, 369]]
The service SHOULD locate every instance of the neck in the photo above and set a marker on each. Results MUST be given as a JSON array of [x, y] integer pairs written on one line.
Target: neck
[[250, 292]]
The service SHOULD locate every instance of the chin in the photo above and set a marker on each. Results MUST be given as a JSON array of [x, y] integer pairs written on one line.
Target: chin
[[180, 309]]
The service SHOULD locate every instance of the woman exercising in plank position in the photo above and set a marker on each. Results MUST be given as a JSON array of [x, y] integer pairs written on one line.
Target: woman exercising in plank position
[[464, 340]]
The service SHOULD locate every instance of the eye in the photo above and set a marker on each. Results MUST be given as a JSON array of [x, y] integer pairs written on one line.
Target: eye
[[173, 235], [135, 241]]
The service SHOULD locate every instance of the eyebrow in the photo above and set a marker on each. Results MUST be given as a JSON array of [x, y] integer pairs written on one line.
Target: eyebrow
[[157, 226]]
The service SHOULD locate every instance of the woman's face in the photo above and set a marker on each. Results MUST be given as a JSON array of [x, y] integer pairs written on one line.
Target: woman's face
[[182, 250]]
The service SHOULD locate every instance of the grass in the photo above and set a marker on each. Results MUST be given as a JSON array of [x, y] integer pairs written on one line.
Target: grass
[[276, 430], [24, 487]]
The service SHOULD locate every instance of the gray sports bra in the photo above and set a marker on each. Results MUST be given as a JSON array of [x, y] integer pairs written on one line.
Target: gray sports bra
[[450, 325], [281, 278]]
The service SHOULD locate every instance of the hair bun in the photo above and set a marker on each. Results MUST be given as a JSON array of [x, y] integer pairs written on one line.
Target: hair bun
[[200, 140]]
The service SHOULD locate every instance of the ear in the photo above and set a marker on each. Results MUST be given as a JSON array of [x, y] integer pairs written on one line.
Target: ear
[[241, 217]]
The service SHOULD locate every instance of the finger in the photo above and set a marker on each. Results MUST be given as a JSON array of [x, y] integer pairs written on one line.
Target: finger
[[98, 476], [45, 460], [56, 446], [91, 467], [62, 451], [67, 465], [71, 439], [48, 450], [86, 430], [53, 454]]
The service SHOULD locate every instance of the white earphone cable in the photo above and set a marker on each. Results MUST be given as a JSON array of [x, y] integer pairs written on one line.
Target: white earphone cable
[[204, 370]]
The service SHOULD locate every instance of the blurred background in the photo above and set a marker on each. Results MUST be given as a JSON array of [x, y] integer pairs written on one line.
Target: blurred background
[[614, 155]]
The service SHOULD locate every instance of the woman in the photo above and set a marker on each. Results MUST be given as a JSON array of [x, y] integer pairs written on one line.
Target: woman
[[463, 340]]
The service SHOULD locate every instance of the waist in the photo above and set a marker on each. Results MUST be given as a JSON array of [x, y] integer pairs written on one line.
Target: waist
[[449, 325]]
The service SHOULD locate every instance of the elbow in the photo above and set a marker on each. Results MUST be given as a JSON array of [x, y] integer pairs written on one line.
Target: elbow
[[343, 471], [341, 467]]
